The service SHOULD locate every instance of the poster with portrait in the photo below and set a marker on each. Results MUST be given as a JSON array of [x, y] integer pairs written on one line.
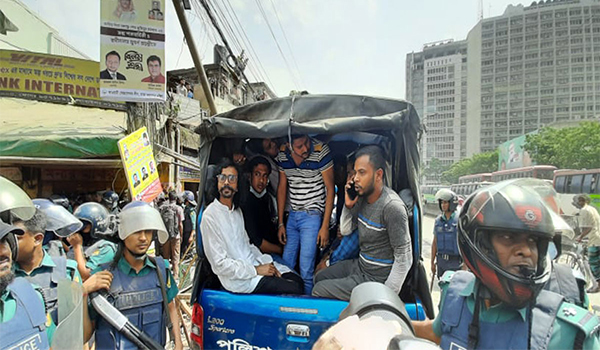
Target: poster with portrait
[[140, 166], [132, 50]]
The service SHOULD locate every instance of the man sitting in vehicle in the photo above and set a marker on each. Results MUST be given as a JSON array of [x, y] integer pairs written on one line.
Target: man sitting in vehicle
[[258, 207], [385, 245], [240, 265]]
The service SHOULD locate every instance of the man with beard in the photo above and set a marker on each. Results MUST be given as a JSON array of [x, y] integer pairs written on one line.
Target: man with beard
[[240, 265], [385, 245], [139, 283], [504, 232], [23, 318]]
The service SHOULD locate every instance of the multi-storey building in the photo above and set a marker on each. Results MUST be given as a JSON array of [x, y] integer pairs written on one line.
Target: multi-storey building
[[437, 86], [538, 64]]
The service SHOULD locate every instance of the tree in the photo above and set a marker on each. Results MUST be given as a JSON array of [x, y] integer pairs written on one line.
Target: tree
[[486, 162], [434, 169], [568, 148]]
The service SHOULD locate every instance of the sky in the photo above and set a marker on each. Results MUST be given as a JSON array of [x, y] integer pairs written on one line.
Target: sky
[[332, 46]]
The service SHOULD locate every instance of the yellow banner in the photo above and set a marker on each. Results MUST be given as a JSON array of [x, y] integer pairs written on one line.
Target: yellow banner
[[50, 78], [140, 166]]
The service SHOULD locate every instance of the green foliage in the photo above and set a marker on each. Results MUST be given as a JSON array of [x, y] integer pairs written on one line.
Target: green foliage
[[434, 169], [568, 148], [486, 162]]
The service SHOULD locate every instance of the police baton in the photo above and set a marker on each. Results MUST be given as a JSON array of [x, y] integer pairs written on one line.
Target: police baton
[[116, 319], [431, 283]]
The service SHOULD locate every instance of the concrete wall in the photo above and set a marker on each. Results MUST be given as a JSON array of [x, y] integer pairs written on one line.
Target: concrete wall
[[474, 90]]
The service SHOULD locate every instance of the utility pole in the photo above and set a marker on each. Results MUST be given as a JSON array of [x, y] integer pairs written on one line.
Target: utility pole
[[195, 57]]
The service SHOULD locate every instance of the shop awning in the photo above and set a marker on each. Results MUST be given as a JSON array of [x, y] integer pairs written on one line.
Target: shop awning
[[41, 129]]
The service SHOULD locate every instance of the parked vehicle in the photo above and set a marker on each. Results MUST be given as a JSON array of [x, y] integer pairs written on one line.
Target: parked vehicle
[[569, 183], [221, 319]]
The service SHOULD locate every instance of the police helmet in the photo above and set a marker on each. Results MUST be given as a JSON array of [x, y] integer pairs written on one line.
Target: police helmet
[[506, 207], [189, 196], [14, 201], [8, 232], [98, 217], [138, 216], [110, 200], [58, 219], [60, 200], [449, 196]]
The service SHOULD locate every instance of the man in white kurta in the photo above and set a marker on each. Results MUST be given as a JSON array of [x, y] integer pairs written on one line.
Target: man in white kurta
[[239, 264]]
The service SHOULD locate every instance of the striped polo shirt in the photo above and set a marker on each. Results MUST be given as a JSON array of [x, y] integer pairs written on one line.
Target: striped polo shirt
[[306, 187]]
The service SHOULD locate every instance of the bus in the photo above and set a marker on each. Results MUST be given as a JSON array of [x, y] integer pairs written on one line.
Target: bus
[[544, 172], [466, 189], [568, 183], [481, 177]]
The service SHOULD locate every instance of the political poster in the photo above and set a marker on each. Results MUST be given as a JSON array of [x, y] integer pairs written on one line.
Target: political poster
[[140, 166], [51, 78], [132, 50], [512, 155]]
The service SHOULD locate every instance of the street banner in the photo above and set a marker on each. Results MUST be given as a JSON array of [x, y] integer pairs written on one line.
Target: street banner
[[512, 155], [51, 78], [132, 50], [140, 166]]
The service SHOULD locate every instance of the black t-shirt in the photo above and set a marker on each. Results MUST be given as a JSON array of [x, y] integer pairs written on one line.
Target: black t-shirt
[[260, 219]]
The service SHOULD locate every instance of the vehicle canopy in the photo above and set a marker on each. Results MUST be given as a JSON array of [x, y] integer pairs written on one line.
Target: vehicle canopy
[[393, 124]]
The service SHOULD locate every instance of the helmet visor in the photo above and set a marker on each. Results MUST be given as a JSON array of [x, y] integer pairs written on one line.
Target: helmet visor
[[140, 218], [15, 200]]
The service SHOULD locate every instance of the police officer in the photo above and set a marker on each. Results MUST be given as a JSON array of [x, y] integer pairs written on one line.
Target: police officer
[[24, 322], [504, 232], [60, 223], [110, 200], [37, 266], [143, 287], [444, 249], [91, 246], [189, 222]]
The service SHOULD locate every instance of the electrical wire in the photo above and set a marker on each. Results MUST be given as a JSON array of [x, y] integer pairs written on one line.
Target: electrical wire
[[287, 42]]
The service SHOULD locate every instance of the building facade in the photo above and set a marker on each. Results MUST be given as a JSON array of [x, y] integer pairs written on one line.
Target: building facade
[[530, 67], [437, 86]]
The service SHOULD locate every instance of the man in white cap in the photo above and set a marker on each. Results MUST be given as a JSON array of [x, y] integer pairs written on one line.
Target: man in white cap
[[143, 287]]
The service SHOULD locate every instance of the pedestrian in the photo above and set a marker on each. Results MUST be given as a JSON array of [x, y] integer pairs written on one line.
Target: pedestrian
[[385, 244], [306, 175], [189, 222], [142, 287], [173, 216], [503, 234], [181, 89], [589, 222], [444, 248], [90, 246]]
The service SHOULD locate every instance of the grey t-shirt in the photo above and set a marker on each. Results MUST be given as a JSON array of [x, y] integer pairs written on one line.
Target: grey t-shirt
[[384, 237]]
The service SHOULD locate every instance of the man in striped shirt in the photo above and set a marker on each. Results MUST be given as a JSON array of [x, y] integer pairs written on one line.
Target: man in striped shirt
[[306, 170], [385, 245]]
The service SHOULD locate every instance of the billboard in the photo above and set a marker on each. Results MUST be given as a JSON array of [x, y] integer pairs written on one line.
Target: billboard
[[51, 78], [140, 166], [512, 155], [132, 50]]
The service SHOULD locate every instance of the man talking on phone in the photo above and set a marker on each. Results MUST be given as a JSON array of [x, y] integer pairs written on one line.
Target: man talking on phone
[[385, 247]]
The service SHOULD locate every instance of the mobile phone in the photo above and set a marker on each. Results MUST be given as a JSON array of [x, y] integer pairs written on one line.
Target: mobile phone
[[352, 191]]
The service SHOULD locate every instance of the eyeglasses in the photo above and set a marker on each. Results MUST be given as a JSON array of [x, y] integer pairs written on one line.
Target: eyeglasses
[[230, 178]]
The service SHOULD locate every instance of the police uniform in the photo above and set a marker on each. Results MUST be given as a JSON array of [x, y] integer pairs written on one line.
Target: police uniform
[[99, 253], [24, 323], [47, 276], [447, 256], [138, 296], [554, 322]]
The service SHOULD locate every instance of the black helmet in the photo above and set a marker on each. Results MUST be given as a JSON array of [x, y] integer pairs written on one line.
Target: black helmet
[[60, 200], [447, 195], [506, 207], [97, 216], [110, 200]]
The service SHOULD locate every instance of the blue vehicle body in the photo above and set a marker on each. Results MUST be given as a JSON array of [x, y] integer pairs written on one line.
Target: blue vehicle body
[[224, 320]]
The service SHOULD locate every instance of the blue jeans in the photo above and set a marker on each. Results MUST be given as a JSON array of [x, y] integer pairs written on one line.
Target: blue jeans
[[302, 230]]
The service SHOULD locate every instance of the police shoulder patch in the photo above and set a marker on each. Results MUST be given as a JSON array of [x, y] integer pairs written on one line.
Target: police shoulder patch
[[579, 318]]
